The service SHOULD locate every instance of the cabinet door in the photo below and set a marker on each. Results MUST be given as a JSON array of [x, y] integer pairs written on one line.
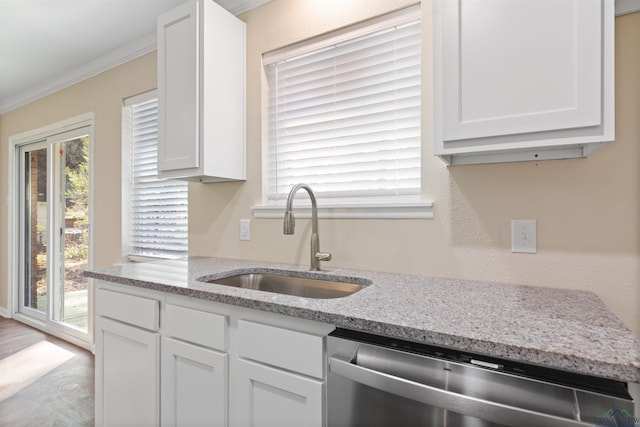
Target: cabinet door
[[271, 397], [194, 385], [529, 76], [127, 375], [526, 66], [178, 88]]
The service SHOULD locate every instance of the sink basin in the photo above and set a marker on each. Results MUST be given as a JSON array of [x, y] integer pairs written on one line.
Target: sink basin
[[323, 288]]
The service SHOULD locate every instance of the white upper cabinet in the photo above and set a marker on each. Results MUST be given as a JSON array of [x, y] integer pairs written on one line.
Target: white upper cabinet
[[522, 80], [201, 93]]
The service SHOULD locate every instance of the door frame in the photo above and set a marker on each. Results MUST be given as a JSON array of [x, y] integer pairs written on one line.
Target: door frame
[[13, 202], [19, 209]]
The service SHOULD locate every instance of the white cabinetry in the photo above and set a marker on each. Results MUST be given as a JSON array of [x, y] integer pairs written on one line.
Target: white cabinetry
[[273, 397], [194, 385], [285, 396], [169, 360], [201, 93], [525, 80], [194, 368], [127, 360]]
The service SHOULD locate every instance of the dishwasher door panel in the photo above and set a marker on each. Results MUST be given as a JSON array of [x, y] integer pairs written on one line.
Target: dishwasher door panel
[[351, 404], [373, 385]]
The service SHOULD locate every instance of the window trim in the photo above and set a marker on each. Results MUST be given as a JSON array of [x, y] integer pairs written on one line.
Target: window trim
[[360, 29], [409, 208], [398, 207]]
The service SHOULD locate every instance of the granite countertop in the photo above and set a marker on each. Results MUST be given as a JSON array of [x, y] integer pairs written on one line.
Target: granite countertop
[[564, 329]]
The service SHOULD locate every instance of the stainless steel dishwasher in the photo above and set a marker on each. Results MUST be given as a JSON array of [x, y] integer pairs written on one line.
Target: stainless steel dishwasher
[[377, 381]]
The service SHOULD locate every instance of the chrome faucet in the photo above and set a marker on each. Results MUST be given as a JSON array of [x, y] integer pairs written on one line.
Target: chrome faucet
[[290, 223]]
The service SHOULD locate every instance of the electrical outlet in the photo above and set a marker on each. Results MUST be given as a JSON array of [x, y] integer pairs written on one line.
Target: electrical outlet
[[245, 229], [523, 236]]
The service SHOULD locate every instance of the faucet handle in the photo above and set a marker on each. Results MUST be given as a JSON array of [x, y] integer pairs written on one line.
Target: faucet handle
[[323, 256]]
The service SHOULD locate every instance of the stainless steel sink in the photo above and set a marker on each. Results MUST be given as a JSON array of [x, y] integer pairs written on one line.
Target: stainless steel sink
[[323, 288]]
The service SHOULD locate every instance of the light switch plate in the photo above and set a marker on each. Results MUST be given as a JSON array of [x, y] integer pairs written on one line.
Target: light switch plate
[[523, 236], [245, 229]]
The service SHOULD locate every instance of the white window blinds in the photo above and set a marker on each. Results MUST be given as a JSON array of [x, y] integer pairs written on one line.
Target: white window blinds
[[157, 217], [344, 111]]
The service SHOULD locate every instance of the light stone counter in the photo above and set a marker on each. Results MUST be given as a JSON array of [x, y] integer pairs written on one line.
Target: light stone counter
[[563, 329]]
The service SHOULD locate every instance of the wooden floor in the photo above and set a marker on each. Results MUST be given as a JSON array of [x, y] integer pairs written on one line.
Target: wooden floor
[[44, 381]]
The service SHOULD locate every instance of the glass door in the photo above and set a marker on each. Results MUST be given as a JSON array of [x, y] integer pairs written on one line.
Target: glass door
[[35, 229], [71, 219], [54, 231]]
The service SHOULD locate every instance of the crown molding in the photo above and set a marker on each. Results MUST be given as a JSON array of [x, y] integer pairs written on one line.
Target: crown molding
[[624, 7], [238, 7], [103, 63]]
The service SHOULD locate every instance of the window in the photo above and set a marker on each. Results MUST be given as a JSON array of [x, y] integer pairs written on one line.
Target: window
[[344, 112], [154, 210]]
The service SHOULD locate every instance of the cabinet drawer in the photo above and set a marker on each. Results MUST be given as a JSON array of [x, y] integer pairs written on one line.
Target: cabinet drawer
[[138, 311], [196, 326], [283, 348]]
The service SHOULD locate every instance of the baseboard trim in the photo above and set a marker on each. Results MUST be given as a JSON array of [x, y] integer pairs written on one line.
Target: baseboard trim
[[5, 313]]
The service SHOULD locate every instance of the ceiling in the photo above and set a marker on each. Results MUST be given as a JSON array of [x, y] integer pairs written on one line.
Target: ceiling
[[46, 45]]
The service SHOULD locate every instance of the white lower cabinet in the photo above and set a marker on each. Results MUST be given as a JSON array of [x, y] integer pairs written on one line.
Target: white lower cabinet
[[194, 385], [273, 397], [168, 360], [281, 375], [127, 375]]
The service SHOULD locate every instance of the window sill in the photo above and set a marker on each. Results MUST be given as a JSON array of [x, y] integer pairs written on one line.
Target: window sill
[[148, 258], [402, 210]]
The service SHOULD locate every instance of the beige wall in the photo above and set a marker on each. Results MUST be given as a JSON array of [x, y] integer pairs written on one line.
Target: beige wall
[[588, 210], [103, 96]]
